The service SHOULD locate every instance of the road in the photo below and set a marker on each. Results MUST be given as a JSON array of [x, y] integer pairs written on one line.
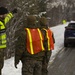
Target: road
[[64, 63]]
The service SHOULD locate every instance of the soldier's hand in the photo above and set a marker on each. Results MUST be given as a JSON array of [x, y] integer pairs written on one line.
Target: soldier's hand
[[14, 11], [16, 66], [16, 62]]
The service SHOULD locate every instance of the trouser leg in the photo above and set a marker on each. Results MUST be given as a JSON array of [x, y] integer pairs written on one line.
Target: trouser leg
[[45, 63], [38, 68], [27, 67], [32, 67], [0, 71], [44, 69]]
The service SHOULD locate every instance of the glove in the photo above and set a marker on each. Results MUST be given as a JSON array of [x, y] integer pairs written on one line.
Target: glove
[[16, 66], [14, 11]]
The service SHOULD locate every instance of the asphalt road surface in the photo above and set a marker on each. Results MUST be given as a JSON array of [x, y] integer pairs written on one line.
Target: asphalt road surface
[[64, 63]]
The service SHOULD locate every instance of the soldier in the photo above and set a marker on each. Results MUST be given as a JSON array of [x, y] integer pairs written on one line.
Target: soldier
[[29, 48], [49, 44], [4, 19]]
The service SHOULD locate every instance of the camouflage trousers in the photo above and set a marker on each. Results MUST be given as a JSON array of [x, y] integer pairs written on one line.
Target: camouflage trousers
[[1, 58], [45, 63], [0, 71], [32, 67]]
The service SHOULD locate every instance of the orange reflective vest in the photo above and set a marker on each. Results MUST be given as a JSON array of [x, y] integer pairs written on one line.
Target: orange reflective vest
[[34, 40], [50, 39]]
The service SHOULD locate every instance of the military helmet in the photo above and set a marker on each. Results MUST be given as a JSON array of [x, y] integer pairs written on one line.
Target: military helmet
[[3, 10], [43, 21], [31, 20]]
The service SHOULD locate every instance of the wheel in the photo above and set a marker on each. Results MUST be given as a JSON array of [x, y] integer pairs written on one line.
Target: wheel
[[65, 43]]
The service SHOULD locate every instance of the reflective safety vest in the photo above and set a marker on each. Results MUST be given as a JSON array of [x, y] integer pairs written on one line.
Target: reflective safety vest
[[34, 41], [3, 30], [50, 39]]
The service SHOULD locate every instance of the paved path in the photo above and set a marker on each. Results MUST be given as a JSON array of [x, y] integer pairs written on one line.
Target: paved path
[[64, 63]]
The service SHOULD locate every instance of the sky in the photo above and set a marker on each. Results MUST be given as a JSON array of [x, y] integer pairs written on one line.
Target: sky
[[58, 31]]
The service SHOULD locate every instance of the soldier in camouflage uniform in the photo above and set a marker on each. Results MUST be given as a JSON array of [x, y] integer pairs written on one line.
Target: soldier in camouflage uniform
[[4, 19], [43, 26], [31, 63]]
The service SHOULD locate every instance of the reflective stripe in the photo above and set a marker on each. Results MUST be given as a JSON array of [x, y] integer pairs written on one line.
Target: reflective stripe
[[8, 17], [4, 42], [3, 38], [2, 25], [48, 39], [30, 39], [41, 39], [10, 14], [2, 46]]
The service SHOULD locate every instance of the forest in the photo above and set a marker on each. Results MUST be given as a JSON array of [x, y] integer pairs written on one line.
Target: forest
[[56, 11]]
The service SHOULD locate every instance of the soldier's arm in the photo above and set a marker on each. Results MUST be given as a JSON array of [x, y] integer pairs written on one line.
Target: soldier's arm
[[53, 38], [19, 46], [8, 17], [45, 39], [45, 46]]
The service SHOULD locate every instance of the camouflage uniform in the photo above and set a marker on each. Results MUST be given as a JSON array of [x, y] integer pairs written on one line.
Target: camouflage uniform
[[31, 64], [43, 24]]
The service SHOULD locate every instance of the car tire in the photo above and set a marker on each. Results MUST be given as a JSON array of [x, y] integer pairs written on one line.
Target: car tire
[[65, 43]]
